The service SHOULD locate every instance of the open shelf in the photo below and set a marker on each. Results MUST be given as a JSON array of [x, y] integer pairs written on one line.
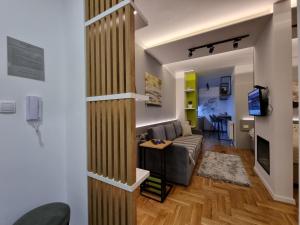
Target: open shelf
[[141, 176], [137, 97], [189, 108], [189, 90]]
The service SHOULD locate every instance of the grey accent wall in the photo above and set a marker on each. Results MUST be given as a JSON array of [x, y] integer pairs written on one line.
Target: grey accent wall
[[153, 114]]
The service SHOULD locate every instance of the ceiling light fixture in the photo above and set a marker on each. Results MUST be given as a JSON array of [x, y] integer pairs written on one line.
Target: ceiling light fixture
[[236, 43], [211, 46], [211, 49]]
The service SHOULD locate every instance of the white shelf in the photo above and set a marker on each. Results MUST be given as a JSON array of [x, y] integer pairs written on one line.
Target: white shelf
[[189, 90], [141, 176], [135, 96], [140, 20]]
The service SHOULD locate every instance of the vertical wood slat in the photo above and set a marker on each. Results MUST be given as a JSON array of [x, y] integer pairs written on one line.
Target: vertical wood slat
[[94, 203], [97, 7], [89, 146], [104, 139], [91, 12], [116, 147], [109, 140], [108, 56], [129, 49], [121, 51], [97, 59], [130, 141], [103, 56], [87, 10], [93, 136], [88, 62], [122, 134], [99, 138], [92, 52], [114, 52]]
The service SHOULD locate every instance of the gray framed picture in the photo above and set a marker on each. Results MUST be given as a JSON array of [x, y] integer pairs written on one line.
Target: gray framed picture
[[25, 60]]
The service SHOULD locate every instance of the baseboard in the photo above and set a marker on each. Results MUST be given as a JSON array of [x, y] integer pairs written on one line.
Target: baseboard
[[275, 197]]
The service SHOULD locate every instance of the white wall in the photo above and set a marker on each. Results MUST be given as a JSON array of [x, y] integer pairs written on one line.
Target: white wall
[[243, 83], [273, 68], [31, 175], [152, 114], [76, 112]]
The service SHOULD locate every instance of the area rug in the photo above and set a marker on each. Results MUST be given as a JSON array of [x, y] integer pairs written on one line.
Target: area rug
[[224, 167]]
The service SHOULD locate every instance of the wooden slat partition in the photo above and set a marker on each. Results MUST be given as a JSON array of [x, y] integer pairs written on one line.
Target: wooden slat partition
[[110, 205], [110, 123]]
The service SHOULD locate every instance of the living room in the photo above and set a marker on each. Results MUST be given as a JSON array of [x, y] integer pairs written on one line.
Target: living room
[[152, 122]]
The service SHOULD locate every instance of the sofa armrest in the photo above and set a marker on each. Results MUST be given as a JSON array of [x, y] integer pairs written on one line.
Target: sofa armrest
[[179, 165]]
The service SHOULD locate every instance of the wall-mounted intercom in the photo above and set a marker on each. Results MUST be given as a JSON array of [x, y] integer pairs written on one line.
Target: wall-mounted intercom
[[33, 108]]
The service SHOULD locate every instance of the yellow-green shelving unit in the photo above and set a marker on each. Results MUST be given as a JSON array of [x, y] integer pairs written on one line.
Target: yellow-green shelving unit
[[191, 95]]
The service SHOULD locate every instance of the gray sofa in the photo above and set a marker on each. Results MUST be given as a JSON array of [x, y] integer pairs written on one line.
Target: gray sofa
[[181, 157]]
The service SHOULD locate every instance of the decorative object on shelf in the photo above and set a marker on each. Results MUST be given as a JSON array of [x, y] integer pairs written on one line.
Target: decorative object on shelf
[[295, 95], [225, 87], [153, 90], [189, 90], [190, 105], [207, 86]]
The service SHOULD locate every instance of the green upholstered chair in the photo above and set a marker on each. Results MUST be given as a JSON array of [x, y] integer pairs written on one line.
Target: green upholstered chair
[[49, 214]]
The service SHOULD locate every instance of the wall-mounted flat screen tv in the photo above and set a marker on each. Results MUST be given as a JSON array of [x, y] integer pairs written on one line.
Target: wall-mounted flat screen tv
[[257, 103]]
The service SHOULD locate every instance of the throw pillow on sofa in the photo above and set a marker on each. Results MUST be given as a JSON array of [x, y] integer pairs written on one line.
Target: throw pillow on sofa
[[186, 130]]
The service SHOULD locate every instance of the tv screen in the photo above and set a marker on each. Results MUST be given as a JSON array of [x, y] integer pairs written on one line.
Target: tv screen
[[255, 103]]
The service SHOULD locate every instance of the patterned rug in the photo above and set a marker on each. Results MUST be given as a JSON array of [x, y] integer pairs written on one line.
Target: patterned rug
[[225, 167]]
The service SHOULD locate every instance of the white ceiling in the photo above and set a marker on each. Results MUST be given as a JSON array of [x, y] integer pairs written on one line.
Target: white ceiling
[[178, 50], [176, 25], [171, 20]]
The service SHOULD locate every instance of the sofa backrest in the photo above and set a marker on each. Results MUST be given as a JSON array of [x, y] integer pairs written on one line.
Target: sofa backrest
[[157, 132], [170, 131], [178, 128]]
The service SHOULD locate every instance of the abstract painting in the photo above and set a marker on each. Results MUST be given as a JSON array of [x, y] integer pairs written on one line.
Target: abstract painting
[[153, 89]]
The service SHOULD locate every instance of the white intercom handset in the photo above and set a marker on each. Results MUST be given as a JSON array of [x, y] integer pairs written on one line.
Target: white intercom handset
[[34, 107]]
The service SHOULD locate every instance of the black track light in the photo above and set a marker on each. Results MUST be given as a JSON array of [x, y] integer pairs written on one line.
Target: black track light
[[211, 49], [236, 44], [211, 46]]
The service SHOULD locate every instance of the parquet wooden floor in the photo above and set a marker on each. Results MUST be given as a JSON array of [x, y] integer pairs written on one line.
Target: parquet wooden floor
[[209, 202]]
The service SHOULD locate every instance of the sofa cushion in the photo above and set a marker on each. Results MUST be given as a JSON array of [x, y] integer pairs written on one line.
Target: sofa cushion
[[170, 132], [178, 128], [157, 133], [192, 143]]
